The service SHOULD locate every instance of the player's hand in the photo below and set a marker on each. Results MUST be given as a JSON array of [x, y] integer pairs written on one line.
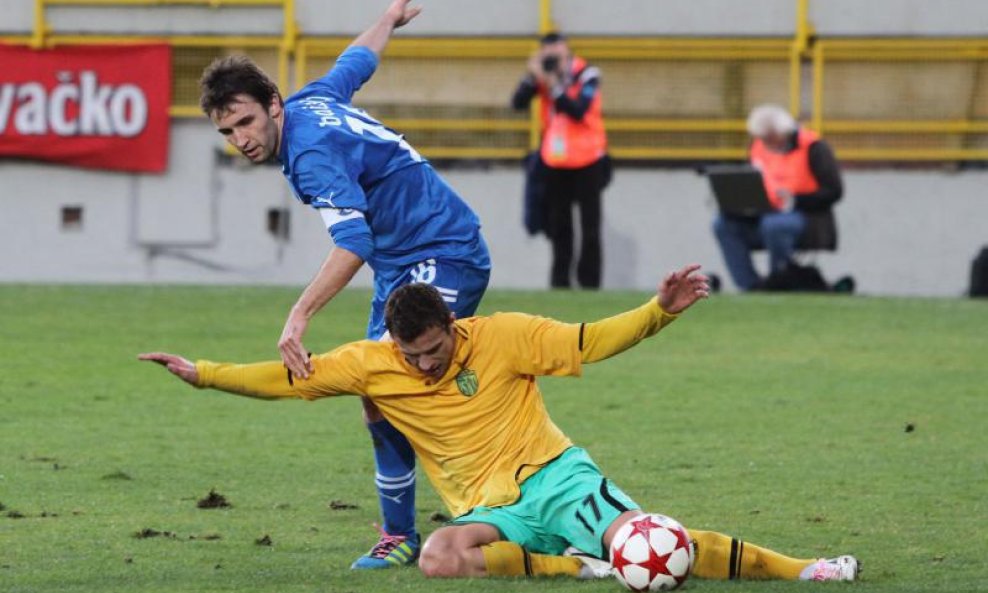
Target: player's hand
[[401, 13], [681, 289], [182, 368], [293, 352]]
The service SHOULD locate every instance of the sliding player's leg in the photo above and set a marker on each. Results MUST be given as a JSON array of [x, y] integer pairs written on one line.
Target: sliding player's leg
[[476, 550], [477, 544], [455, 551], [574, 503], [720, 556], [600, 514]]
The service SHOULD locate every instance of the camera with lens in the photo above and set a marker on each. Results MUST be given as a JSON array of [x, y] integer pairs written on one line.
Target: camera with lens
[[550, 64]]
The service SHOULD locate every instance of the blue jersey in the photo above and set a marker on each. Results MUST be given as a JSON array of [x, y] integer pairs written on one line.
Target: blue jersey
[[378, 197]]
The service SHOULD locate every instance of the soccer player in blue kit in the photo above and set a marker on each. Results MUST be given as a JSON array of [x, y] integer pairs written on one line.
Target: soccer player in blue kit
[[382, 203]]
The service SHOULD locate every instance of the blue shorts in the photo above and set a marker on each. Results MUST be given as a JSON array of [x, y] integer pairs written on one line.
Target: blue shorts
[[461, 285]]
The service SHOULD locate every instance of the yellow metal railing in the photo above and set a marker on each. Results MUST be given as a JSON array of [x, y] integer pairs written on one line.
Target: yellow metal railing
[[640, 51], [43, 34], [961, 134], [458, 135], [887, 124]]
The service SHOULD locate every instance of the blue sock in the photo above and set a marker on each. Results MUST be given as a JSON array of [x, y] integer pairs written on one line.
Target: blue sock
[[395, 479]]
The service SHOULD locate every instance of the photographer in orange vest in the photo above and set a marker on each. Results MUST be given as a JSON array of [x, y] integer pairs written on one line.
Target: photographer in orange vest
[[574, 167], [800, 174]]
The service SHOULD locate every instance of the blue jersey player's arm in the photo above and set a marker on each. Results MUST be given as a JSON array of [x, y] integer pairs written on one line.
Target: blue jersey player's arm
[[353, 68], [376, 37], [357, 63], [326, 183], [341, 264]]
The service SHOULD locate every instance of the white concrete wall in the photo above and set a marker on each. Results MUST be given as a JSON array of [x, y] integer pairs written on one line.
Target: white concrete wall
[[900, 17], [676, 17], [520, 17], [198, 222], [902, 233], [440, 17]]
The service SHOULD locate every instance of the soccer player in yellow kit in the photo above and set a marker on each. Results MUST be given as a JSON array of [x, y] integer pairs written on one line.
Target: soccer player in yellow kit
[[465, 395]]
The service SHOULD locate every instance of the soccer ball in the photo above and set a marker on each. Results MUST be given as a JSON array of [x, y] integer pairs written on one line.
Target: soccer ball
[[651, 553]]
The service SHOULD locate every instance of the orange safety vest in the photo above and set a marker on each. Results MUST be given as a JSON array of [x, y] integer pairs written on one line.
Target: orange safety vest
[[570, 144], [786, 170]]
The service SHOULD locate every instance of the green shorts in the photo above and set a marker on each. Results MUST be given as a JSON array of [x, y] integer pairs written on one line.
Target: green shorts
[[566, 503]]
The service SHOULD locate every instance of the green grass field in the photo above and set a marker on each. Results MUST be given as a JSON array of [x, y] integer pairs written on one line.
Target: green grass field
[[781, 420]]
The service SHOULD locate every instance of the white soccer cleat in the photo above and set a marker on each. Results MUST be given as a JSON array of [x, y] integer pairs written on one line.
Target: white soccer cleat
[[841, 568], [593, 567]]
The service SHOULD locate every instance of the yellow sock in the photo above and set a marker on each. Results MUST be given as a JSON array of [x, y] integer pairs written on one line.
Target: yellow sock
[[719, 556], [507, 559]]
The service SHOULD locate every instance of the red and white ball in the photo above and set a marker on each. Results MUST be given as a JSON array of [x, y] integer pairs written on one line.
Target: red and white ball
[[651, 553]]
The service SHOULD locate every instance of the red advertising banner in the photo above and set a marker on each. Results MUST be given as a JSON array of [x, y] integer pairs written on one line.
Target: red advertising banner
[[101, 107]]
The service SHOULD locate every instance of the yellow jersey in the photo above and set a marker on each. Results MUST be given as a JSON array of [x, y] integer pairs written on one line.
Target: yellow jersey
[[481, 429]]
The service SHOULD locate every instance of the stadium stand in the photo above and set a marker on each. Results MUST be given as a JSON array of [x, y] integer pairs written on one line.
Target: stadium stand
[[682, 97]]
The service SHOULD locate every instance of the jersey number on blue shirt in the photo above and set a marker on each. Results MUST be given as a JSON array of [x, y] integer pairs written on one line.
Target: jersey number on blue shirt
[[372, 126]]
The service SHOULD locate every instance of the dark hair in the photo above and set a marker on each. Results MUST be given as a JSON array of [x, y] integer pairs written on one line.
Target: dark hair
[[228, 77], [550, 38], [414, 308]]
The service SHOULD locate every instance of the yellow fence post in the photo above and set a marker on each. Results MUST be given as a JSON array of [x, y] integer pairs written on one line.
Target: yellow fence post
[[818, 87], [40, 25], [301, 64], [545, 17], [285, 49], [795, 74], [535, 109], [799, 46]]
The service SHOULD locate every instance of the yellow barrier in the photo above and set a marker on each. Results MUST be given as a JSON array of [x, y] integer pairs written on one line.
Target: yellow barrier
[[665, 98], [284, 44], [902, 99], [462, 87]]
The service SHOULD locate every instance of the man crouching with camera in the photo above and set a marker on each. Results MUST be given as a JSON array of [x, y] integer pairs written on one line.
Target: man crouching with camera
[[573, 154]]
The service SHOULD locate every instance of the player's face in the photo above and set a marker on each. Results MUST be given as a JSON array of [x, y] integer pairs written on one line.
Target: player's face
[[775, 141], [431, 353], [251, 128]]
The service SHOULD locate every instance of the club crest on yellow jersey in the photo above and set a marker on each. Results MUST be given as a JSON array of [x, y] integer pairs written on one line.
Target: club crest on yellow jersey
[[467, 382]]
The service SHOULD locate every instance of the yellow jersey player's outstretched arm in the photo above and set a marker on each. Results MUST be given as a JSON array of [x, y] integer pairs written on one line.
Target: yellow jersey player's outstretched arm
[[603, 339], [539, 346], [607, 337], [334, 373]]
